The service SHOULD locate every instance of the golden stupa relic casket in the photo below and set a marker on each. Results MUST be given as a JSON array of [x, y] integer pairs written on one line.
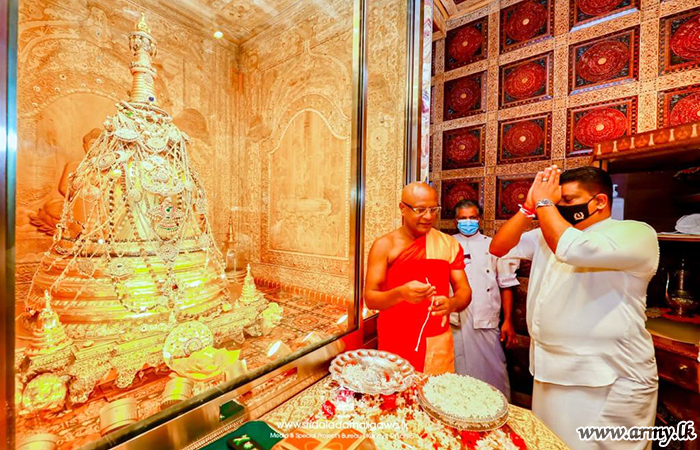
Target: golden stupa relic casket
[[134, 278]]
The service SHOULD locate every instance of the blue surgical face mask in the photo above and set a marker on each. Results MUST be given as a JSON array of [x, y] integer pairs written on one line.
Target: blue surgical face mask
[[468, 227]]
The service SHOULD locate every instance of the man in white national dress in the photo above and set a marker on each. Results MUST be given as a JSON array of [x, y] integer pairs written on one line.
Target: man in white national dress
[[590, 353], [478, 350]]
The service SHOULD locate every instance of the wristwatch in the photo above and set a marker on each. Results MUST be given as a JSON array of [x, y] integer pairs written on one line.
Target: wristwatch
[[543, 202]]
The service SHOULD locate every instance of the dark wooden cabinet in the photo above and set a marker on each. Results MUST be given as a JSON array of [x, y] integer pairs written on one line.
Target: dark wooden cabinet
[[648, 168], [678, 369]]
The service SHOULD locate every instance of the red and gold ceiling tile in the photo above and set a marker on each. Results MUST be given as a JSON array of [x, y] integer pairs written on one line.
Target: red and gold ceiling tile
[[465, 96], [525, 139], [463, 147], [679, 106], [590, 124], [679, 46], [466, 44], [584, 11], [525, 23], [510, 193], [526, 81], [456, 190], [604, 61]]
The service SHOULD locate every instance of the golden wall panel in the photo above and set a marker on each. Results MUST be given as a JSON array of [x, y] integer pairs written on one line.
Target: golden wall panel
[[386, 100], [297, 147], [307, 86], [645, 89]]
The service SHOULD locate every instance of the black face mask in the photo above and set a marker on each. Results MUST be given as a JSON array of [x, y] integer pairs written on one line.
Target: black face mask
[[575, 213]]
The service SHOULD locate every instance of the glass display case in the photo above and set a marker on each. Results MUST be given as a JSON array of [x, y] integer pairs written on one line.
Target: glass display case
[[184, 190]]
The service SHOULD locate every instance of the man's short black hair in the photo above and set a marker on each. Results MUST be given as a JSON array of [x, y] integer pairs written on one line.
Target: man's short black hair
[[468, 204], [592, 179]]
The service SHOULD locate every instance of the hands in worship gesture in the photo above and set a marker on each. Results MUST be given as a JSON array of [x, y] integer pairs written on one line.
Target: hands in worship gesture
[[545, 186]]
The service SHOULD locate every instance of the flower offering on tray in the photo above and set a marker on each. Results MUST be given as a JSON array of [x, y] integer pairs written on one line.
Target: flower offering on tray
[[463, 402], [398, 421], [372, 372]]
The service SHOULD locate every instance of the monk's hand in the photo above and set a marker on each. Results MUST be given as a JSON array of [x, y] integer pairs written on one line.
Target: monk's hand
[[416, 292], [442, 306], [508, 334]]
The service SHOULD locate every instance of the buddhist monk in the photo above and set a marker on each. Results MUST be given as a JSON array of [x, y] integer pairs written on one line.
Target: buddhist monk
[[409, 275]]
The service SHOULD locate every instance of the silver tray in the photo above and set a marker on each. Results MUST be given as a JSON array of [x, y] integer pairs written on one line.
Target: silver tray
[[401, 373], [461, 423]]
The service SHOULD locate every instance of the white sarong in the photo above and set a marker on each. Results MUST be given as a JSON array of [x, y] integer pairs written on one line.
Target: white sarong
[[625, 403], [478, 353]]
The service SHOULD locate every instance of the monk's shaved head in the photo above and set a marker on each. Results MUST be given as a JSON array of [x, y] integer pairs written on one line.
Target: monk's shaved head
[[419, 207], [417, 191]]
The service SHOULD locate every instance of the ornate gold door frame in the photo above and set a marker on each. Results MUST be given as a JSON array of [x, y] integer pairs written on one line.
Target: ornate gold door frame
[[414, 71], [8, 152]]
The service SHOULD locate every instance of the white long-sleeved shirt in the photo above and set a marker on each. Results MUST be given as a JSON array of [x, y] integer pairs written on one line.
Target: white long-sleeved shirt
[[487, 275], [586, 303]]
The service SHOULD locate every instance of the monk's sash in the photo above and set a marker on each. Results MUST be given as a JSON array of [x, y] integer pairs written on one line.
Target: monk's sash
[[433, 257]]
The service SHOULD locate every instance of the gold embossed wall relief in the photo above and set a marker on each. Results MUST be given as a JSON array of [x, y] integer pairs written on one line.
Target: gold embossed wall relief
[[133, 280], [297, 148], [386, 99]]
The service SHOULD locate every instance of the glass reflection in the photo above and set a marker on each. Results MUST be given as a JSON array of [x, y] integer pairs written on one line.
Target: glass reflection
[[183, 203]]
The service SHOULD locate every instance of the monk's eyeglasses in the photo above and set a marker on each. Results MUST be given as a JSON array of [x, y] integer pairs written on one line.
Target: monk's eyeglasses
[[435, 210]]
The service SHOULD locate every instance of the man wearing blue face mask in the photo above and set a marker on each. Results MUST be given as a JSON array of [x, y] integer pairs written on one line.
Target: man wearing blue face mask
[[590, 353], [477, 338]]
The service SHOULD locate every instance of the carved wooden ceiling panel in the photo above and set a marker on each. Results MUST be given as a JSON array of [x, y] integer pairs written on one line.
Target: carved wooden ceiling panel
[[238, 20]]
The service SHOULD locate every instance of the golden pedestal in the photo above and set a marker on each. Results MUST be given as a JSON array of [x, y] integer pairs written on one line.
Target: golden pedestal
[[118, 414], [39, 442], [176, 390]]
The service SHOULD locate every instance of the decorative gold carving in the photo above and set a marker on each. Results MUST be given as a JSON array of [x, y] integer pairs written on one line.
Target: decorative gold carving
[[249, 293], [90, 366], [315, 91], [72, 71], [205, 364], [80, 52], [49, 347], [271, 317], [185, 339], [47, 392], [386, 100]]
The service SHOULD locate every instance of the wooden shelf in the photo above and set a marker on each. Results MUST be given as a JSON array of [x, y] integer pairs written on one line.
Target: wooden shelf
[[695, 198], [671, 148], [678, 237], [650, 161]]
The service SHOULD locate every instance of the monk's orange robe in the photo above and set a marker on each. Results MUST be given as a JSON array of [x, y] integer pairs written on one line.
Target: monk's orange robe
[[432, 256]]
